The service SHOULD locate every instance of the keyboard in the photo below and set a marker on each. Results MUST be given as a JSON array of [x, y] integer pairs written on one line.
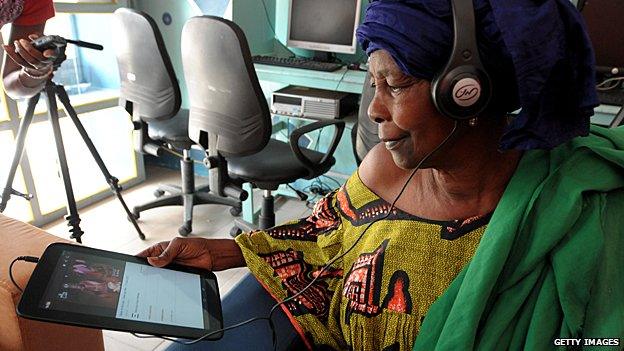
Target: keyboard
[[296, 62]]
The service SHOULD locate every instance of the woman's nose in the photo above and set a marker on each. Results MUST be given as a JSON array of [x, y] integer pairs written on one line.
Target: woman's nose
[[377, 111]]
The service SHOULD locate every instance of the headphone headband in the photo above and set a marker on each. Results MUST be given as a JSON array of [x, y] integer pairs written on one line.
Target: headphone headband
[[463, 89]]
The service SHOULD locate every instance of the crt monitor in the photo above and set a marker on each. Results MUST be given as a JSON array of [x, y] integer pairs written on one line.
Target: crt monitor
[[324, 25], [605, 24]]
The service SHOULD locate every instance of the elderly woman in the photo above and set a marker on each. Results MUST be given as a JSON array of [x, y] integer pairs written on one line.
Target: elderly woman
[[489, 243]]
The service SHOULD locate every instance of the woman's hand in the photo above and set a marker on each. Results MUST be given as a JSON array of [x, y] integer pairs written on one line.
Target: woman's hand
[[25, 69], [31, 60], [208, 254]]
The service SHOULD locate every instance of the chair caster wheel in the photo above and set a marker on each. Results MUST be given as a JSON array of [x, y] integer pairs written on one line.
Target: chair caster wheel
[[235, 231], [235, 211], [185, 230], [158, 193]]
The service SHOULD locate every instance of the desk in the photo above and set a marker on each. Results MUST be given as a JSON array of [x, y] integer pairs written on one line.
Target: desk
[[345, 80], [612, 104]]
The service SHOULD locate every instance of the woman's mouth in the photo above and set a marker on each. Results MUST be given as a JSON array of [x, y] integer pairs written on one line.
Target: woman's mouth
[[394, 144]]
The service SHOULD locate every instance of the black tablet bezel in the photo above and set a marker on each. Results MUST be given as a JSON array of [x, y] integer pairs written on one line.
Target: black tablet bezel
[[29, 305]]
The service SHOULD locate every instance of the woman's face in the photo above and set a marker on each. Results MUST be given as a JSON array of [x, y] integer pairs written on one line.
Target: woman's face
[[409, 124]]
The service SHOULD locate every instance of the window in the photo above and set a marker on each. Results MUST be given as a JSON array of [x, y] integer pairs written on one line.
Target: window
[[4, 114], [17, 207], [91, 80], [115, 148]]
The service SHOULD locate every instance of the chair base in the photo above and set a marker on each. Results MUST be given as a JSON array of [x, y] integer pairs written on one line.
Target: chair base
[[265, 220], [199, 197], [188, 196]]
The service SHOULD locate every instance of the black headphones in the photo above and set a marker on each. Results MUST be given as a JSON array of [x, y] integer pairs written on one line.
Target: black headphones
[[463, 89]]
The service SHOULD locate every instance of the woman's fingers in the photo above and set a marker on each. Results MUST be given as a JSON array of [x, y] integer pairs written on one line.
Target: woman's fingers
[[19, 50], [31, 55], [49, 53], [10, 51], [168, 255], [31, 49]]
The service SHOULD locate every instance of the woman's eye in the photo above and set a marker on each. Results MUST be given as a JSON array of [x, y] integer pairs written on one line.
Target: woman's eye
[[395, 90]]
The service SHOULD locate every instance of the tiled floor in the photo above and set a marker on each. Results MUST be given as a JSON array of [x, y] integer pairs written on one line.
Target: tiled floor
[[106, 227]]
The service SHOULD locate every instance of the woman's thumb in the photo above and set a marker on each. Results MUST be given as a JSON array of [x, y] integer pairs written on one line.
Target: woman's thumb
[[158, 261], [167, 256]]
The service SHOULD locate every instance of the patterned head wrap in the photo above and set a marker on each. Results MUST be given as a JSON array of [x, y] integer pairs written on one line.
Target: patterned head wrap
[[537, 52]]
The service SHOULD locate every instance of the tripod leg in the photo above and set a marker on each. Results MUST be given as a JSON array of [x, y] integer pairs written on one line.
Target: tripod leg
[[7, 191], [112, 181], [73, 220]]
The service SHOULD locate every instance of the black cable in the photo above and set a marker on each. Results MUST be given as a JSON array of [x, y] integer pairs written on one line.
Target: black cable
[[30, 259], [318, 139], [341, 78], [194, 341], [268, 18], [609, 84], [333, 180], [175, 153], [320, 274]]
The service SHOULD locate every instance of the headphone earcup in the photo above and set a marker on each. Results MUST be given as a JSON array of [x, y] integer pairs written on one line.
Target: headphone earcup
[[462, 93]]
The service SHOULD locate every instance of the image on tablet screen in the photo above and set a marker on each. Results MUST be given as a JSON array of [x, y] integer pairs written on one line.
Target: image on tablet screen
[[101, 286]]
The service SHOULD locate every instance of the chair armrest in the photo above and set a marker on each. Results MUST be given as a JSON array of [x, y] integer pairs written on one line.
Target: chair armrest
[[299, 132]]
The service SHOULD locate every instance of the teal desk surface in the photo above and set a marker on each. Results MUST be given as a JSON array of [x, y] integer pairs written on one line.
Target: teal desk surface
[[345, 80]]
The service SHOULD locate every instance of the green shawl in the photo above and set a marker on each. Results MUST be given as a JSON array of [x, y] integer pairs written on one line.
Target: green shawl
[[551, 262]]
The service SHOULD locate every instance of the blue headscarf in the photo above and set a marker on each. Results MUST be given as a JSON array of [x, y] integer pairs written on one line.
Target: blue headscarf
[[537, 52]]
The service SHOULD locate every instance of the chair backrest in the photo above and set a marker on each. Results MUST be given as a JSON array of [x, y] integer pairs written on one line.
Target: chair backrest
[[364, 135], [149, 86], [227, 106]]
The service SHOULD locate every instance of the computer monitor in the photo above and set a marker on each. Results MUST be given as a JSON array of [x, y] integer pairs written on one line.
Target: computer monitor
[[327, 26], [605, 24]]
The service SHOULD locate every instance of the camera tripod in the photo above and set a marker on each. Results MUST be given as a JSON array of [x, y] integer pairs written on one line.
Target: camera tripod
[[51, 92]]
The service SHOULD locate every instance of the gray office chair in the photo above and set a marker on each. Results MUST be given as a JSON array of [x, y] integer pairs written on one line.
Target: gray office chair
[[151, 94], [364, 134], [230, 118]]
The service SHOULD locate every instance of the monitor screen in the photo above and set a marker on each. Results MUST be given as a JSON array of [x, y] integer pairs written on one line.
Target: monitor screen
[[604, 24], [325, 25]]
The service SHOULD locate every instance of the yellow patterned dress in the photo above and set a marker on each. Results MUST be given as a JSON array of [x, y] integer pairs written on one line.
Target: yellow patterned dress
[[376, 296]]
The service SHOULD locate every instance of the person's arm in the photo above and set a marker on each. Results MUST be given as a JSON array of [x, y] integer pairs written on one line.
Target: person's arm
[[24, 71], [209, 254]]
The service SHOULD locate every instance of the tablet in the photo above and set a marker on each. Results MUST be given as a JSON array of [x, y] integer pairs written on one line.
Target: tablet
[[77, 285]]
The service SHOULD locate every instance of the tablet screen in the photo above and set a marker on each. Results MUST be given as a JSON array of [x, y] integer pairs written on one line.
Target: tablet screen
[[102, 286]]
